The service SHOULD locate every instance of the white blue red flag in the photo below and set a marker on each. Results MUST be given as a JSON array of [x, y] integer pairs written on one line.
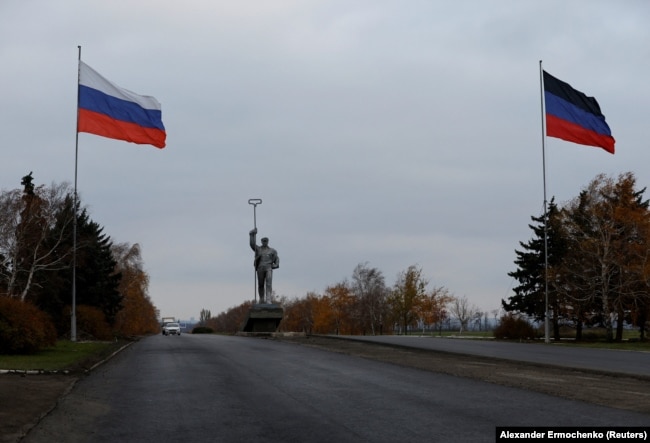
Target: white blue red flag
[[107, 110]]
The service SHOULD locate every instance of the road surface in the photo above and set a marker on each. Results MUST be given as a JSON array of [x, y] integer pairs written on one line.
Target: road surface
[[604, 360], [210, 388]]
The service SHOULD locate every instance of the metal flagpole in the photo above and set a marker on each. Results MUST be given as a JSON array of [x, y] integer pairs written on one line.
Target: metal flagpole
[[547, 338], [254, 202], [73, 314]]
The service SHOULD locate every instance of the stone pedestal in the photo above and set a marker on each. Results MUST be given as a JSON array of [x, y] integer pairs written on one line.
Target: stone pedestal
[[264, 317]]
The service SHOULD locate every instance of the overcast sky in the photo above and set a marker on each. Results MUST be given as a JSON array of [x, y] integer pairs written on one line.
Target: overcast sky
[[395, 132]]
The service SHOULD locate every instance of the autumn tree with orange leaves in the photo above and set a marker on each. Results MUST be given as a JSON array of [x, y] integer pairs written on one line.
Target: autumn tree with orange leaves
[[431, 308], [341, 302], [138, 315], [299, 314], [598, 271], [231, 320], [606, 270], [407, 296], [361, 306]]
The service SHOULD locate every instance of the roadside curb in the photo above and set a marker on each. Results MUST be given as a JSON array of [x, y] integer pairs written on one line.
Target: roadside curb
[[32, 372], [62, 372], [109, 357], [73, 382]]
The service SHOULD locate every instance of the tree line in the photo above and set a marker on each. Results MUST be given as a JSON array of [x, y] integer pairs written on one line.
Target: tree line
[[36, 259], [364, 304], [591, 259]]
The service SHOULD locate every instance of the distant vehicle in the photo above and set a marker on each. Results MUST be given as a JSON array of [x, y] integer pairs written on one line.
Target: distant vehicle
[[165, 321], [171, 329]]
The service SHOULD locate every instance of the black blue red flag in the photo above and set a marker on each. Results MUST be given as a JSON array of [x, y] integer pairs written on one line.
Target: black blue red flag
[[573, 116]]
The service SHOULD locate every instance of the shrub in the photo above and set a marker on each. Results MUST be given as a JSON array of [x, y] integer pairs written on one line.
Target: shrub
[[202, 330], [24, 329], [514, 327], [92, 321]]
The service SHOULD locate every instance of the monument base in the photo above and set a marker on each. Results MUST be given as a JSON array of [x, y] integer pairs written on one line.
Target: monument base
[[264, 317]]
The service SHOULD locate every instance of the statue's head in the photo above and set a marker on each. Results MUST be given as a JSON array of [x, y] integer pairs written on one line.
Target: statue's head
[[265, 241]]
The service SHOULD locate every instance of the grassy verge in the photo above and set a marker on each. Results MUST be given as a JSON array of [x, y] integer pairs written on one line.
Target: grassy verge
[[622, 345], [597, 338], [64, 356]]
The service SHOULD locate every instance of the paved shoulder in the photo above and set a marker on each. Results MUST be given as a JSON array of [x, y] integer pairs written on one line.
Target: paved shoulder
[[26, 400], [605, 360]]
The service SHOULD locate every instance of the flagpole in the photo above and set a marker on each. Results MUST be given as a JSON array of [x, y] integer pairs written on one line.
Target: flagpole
[[73, 314], [546, 312]]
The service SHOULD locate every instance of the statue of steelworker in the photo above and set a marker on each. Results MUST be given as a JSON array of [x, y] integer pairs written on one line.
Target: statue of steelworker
[[266, 260]]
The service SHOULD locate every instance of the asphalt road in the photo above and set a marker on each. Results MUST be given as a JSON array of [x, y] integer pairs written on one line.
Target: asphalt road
[[209, 388]]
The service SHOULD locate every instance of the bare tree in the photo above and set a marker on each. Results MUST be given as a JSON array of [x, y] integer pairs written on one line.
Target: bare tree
[[33, 228], [463, 311], [204, 316], [369, 288]]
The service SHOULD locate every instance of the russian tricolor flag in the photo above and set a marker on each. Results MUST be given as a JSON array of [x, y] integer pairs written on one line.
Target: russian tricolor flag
[[574, 117], [107, 110]]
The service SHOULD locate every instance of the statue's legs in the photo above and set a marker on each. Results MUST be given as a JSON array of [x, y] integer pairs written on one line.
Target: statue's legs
[[265, 285], [269, 286], [261, 276]]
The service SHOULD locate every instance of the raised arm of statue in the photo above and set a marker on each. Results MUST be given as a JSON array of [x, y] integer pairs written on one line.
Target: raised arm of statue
[[252, 236]]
